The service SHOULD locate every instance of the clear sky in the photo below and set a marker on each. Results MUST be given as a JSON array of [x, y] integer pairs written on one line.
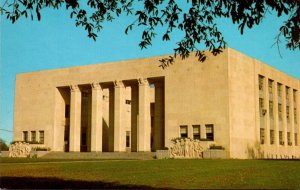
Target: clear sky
[[55, 42]]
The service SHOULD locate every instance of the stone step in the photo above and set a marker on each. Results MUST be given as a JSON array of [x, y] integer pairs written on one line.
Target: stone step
[[100, 155]]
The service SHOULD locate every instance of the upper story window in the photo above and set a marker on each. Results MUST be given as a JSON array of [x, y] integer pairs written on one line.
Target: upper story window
[[183, 131], [25, 136], [288, 113], [279, 91], [209, 132], [294, 97], [33, 136], [196, 132], [287, 94], [270, 85], [280, 112], [295, 116], [271, 109], [261, 82], [42, 137]]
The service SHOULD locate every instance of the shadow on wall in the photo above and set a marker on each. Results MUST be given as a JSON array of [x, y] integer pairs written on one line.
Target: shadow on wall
[[56, 183], [255, 152]]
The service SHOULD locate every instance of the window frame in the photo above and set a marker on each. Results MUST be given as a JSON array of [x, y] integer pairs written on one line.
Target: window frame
[[210, 136]]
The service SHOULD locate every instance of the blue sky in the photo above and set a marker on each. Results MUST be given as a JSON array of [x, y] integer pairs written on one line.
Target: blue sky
[[55, 42]]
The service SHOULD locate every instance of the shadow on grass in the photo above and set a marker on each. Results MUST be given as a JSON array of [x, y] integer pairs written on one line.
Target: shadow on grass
[[56, 183]]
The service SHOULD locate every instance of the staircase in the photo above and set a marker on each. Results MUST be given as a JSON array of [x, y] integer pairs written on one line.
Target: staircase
[[101, 155]]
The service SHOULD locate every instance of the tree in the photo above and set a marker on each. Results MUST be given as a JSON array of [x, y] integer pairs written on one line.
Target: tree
[[3, 145], [197, 21]]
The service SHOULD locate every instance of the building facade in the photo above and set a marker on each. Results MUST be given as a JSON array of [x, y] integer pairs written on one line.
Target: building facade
[[231, 100]]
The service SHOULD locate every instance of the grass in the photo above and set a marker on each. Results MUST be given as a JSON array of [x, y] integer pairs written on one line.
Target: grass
[[182, 174]]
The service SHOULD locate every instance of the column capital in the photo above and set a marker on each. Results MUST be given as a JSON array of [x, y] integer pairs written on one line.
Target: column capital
[[143, 81], [74, 88], [118, 84], [95, 86]]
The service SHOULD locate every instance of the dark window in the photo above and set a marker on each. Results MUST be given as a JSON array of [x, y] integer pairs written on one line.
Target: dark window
[[67, 111], [209, 132], [260, 82], [296, 139], [279, 89], [289, 139], [271, 109], [280, 112], [196, 132], [41, 135], [270, 84], [25, 136], [33, 136], [183, 131], [281, 142], [127, 139], [262, 136], [271, 136]]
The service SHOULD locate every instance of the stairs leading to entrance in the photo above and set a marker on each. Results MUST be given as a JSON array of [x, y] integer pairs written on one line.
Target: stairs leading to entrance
[[101, 155]]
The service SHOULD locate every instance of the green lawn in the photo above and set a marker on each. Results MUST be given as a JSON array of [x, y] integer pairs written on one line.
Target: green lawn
[[181, 174]]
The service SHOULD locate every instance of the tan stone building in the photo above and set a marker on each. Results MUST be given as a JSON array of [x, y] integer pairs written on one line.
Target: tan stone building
[[230, 100]]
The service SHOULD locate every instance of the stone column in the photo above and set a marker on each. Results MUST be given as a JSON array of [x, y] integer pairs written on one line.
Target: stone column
[[284, 120], [97, 112], [276, 116], [75, 119], [144, 125], [134, 116], [119, 120], [159, 116], [267, 115], [291, 106]]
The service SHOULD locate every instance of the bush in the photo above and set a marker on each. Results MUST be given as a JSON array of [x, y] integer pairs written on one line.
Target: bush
[[3, 145]]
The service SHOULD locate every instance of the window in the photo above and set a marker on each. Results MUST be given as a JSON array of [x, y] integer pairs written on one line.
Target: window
[[287, 94], [128, 102], [271, 109], [288, 113], [196, 132], [41, 136], [209, 132], [33, 136], [262, 136], [281, 142], [25, 136], [295, 116], [280, 112], [271, 136], [270, 84], [296, 139], [279, 89], [261, 106], [183, 131], [67, 111], [289, 138], [127, 139], [260, 82]]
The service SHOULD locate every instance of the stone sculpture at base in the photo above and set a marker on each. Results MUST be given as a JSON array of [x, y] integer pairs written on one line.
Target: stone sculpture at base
[[186, 148], [19, 149]]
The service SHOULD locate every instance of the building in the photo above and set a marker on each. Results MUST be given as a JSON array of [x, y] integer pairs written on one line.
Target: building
[[230, 100]]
